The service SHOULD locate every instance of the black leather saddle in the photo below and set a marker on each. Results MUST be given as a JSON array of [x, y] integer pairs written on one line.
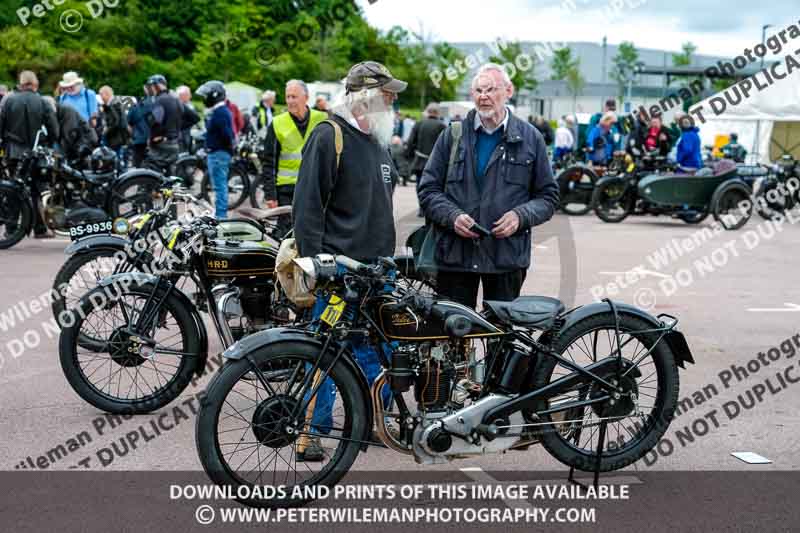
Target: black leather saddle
[[527, 311]]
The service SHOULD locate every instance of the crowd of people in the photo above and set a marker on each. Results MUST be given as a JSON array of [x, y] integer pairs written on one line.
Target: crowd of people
[[605, 135]]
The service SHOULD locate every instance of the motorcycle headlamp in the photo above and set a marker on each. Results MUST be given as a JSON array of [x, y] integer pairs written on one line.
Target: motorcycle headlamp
[[121, 226], [321, 267]]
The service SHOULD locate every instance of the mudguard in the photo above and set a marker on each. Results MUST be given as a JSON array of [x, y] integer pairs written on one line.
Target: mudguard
[[243, 347], [610, 179], [137, 173], [141, 278], [93, 242], [674, 339]]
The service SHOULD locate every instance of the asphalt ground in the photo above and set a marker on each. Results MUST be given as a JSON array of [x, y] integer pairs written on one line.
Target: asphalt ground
[[739, 302]]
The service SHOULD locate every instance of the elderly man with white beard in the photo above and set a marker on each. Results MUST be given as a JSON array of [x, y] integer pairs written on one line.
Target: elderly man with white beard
[[348, 210], [343, 204]]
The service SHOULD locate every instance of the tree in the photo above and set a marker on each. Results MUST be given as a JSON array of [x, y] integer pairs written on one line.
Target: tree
[[575, 83], [624, 66], [521, 67], [563, 63], [684, 59]]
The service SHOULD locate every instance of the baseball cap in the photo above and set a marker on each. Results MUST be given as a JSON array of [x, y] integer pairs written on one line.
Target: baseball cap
[[372, 75]]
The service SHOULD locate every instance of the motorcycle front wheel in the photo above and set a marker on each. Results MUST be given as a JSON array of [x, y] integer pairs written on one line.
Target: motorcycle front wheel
[[612, 203], [251, 429], [136, 366], [576, 185]]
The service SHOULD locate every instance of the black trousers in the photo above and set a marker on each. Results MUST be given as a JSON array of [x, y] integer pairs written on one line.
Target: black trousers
[[462, 287], [285, 196], [139, 154]]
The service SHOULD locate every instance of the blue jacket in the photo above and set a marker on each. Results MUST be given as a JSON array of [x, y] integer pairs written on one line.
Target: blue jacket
[[137, 119], [219, 130], [689, 149], [600, 156], [85, 102], [518, 177]]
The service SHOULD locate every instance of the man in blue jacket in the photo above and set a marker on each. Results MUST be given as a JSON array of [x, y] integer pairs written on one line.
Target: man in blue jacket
[[220, 141], [501, 179], [689, 153], [75, 95], [140, 130], [601, 140]]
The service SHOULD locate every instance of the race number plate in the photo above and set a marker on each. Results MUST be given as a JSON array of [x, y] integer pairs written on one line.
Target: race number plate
[[333, 312], [90, 228]]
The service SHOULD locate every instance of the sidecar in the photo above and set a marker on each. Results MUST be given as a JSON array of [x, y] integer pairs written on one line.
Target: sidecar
[[719, 191]]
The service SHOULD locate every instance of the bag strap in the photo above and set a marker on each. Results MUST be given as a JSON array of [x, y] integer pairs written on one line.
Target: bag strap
[[338, 142], [455, 134]]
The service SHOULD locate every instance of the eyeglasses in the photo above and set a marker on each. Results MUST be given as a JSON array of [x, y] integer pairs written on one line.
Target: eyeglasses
[[491, 91]]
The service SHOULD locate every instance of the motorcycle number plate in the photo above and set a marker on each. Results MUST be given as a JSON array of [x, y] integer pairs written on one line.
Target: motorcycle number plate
[[90, 228], [333, 312]]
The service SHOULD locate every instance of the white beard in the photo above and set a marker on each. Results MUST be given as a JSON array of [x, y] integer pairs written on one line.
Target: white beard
[[381, 126]]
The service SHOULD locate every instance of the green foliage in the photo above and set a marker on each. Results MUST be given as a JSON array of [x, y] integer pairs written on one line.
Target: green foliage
[[624, 66], [562, 63], [191, 42], [575, 82], [684, 59], [523, 78]]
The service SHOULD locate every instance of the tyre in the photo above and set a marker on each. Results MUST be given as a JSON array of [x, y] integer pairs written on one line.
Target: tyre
[[695, 218], [78, 275], [136, 369], [16, 217], [238, 187], [636, 421], [135, 196], [240, 432], [771, 201], [612, 201], [576, 185], [728, 210]]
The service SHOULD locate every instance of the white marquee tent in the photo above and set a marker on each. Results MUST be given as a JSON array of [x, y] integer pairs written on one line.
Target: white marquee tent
[[768, 121]]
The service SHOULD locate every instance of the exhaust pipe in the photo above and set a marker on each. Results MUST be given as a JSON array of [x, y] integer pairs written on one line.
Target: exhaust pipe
[[380, 422]]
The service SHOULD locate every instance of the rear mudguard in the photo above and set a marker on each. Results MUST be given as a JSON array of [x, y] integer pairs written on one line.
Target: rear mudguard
[[252, 343], [93, 242], [674, 339], [140, 278]]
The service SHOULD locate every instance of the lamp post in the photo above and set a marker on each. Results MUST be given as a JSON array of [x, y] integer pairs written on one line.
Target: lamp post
[[764, 39]]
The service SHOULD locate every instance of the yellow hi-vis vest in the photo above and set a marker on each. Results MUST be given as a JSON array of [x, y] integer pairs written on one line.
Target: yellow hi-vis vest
[[291, 144]]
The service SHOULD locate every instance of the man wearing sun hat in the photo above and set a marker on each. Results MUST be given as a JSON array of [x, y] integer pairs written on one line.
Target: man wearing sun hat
[[75, 95]]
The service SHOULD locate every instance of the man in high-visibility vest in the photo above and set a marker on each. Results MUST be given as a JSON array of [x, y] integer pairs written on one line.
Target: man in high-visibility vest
[[282, 149]]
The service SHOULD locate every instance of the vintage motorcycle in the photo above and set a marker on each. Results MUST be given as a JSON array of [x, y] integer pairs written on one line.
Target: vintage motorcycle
[[577, 181], [597, 386], [133, 343], [72, 200]]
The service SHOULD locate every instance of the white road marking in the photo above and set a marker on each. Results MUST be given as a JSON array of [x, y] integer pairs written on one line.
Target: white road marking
[[641, 271], [751, 458], [788, 308]]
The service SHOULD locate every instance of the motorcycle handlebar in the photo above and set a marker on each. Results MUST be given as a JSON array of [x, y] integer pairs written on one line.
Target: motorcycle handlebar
[[351, 264]]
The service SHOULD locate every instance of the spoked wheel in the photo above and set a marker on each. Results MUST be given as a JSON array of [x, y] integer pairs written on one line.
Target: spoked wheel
[[771, 201], [252, 428], [16, 218], [137, 196], [612, 203], [238, 187], [636, 420], [257, 198], [732, 208], [576, 185], [141, 365], [80, 274]]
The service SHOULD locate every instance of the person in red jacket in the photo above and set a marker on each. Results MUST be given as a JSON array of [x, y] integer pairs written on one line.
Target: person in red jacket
[[238, 119]]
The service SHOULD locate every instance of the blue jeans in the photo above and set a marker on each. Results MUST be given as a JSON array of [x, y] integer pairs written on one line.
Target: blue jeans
[[367, 359], [218, 163]]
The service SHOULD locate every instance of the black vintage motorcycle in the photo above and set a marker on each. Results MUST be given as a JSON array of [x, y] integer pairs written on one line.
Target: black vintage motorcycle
[[597, 386], [72, 200], [129, 245], [132, 344]]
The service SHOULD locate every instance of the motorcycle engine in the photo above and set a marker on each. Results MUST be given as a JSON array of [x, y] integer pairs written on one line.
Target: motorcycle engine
[[245, 308]]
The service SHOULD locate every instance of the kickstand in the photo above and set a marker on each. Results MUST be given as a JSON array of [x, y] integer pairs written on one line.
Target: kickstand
[[601, 441]]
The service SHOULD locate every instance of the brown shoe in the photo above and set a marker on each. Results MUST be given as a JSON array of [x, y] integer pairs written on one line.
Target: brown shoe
[[313, 452], [44, 235]]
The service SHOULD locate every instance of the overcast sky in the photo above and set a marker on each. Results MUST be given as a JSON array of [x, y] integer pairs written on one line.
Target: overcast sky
[[717, 27]]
